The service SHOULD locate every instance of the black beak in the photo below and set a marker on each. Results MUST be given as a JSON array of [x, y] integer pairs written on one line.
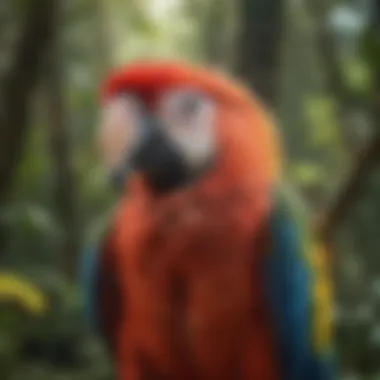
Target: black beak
[[157, 159]]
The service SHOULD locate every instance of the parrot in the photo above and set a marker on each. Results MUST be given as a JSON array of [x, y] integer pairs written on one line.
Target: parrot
[[208, 267]]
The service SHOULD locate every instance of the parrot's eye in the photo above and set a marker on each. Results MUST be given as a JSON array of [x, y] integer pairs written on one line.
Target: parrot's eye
[[118, 128], [185, 105], [180, 107], [187, 117], [190, 105]]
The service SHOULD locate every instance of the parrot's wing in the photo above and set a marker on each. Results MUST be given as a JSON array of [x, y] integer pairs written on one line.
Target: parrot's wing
[[102, 297], [300, 293]]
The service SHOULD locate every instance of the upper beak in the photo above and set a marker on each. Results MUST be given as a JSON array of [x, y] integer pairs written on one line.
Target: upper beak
[[157, 159]]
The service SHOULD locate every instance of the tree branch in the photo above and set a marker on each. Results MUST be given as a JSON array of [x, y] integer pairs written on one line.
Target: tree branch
[[369, 158], [351, 189], [18, 86], [347, 102]]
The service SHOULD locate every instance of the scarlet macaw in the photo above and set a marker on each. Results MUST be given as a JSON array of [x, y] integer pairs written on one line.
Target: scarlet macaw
[[208, 269]]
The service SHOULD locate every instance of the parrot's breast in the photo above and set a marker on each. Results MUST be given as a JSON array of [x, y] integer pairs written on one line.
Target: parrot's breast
[[191, 274]]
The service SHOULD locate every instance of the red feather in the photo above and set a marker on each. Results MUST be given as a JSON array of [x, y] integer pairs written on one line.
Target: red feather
[[188, 265]]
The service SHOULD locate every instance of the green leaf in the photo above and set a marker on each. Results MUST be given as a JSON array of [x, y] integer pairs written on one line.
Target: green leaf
[[307, 173], [321, 113], [30, 216], [357, 74]]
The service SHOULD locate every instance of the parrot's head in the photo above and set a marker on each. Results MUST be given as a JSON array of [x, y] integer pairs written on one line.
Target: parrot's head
[[172, 125]]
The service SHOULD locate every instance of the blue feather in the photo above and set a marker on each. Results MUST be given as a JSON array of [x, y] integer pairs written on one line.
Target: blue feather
[[290, 285], [90, 267], [89, 275]]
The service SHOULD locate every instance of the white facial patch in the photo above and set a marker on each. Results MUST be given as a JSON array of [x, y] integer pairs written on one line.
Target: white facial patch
[[188, 119], [118, 129]]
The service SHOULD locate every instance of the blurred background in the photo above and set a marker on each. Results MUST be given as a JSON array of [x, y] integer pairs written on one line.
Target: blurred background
[[316, 63]]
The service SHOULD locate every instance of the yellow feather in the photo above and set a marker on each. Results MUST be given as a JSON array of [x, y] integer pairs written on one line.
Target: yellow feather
[[322, 299]]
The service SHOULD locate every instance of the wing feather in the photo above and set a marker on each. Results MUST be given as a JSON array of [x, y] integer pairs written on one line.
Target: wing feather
[[300, 292], [102, 297]]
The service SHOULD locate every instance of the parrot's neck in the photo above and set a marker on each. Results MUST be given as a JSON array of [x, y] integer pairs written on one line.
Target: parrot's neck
[[193, 215], [230, 198]]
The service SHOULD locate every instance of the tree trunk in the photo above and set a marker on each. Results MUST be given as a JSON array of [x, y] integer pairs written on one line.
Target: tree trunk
[[259, 45], [18, 85], [104, 41], [217, 27], [65, 194]]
